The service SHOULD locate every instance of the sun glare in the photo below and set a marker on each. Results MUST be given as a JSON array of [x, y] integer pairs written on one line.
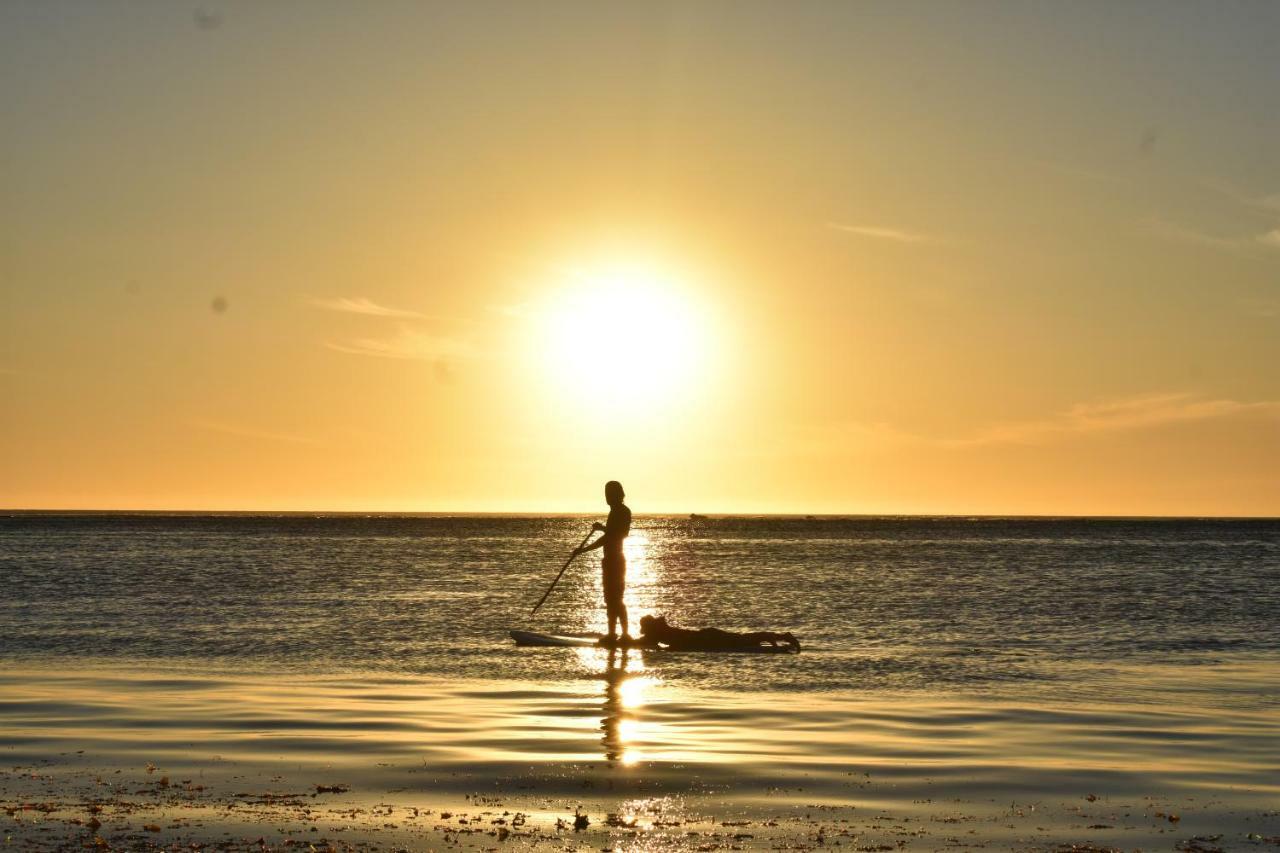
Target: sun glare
[[627, 334]]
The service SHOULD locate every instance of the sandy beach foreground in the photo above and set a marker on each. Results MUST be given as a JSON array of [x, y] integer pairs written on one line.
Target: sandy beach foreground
[[110, 758]]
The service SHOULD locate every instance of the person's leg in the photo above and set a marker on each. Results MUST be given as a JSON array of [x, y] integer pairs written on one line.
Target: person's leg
[[609, 581], [615, 595], [730, 640], [774, 639], [621, 586], [611, 610]]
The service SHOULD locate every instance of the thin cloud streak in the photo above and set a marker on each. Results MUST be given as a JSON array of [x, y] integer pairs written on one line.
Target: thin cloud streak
[[1260, 206], [1075, 171], [877, 232], [408, 344], [362, 305], [1143, 411], [1182, 234], [1260, 307], [249, 432], [1081, 421]]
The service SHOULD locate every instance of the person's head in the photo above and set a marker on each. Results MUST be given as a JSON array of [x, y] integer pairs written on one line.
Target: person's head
[[613, 493], [648, 624]]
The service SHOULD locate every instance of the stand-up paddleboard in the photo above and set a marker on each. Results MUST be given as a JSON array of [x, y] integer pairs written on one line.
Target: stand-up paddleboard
[[532, 638]]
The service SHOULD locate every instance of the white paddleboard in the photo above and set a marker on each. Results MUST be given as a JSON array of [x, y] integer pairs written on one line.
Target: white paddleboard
[[532, 638]]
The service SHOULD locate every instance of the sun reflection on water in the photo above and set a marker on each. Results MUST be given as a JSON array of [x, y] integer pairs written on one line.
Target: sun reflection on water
[[623, 671], [643, 582], [624, 695]]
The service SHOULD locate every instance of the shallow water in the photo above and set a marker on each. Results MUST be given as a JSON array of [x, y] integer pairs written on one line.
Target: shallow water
[[983, 662]]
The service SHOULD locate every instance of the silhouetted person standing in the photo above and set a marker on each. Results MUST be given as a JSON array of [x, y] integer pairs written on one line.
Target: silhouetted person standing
[[614, 563]]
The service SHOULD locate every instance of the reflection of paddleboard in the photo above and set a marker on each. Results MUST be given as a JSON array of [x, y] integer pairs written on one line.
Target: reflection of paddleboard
[[532, 638]]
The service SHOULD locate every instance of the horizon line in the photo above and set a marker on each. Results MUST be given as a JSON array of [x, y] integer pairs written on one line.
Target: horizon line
[[33, 511]]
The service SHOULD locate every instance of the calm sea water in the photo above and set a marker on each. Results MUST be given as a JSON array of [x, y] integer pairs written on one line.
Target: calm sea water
[[910, 602], [978, 663]]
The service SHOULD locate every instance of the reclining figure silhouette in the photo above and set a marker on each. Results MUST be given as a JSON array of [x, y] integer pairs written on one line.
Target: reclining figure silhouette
[[656, 630]]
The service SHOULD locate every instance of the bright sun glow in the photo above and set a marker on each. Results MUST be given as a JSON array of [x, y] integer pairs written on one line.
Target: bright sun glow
[[628, 333]]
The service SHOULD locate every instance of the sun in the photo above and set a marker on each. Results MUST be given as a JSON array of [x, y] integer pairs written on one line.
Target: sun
[[629, 335]]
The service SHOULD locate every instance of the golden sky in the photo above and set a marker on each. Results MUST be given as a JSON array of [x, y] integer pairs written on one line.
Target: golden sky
[[744, 257]]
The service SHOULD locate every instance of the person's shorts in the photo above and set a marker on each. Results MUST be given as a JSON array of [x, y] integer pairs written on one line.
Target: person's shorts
[[615, 580]]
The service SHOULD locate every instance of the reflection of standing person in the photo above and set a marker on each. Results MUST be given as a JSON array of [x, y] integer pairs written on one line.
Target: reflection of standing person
[[615, 673], [614, 563]]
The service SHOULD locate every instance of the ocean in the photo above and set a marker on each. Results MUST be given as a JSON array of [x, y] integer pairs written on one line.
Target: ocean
[[978, 662]]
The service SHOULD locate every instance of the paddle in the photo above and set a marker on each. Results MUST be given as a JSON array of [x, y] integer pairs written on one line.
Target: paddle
[[565, 566]]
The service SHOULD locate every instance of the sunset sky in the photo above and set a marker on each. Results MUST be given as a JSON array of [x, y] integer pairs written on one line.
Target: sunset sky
[[743, 257]]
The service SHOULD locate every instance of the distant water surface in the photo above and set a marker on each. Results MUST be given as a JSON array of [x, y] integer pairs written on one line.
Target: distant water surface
[[898, 602]]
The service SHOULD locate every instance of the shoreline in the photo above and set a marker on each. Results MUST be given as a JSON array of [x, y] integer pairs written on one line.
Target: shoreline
[[150, 809], [109, 758]]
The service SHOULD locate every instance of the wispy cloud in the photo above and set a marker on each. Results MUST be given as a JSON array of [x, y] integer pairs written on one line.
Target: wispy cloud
[[1080, 421], [1076, 171], [1257, 206], [1260, 204], [1138, 412], [1260, 306], [407, 343], [1182, 234], [250, 432], [879, 232], [362, 305]]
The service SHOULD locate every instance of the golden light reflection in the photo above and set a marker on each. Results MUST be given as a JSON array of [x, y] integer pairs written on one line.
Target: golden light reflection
[[631, 690], [642, 582], [625, 686], [642, 575]]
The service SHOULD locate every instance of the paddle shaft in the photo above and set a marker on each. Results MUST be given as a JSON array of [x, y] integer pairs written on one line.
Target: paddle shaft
[[562, 569]]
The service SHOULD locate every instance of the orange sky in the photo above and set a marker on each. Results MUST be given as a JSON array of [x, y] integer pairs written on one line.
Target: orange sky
[[744, 257]]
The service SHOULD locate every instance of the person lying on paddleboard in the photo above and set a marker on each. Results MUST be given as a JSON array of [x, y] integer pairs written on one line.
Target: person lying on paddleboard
[[614, 562], [656, 629]]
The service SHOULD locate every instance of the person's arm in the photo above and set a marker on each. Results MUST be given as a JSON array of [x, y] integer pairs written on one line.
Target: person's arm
[[599, 543]]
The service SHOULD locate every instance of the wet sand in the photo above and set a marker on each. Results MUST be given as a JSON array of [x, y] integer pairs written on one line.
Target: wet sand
[[109, 757]]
